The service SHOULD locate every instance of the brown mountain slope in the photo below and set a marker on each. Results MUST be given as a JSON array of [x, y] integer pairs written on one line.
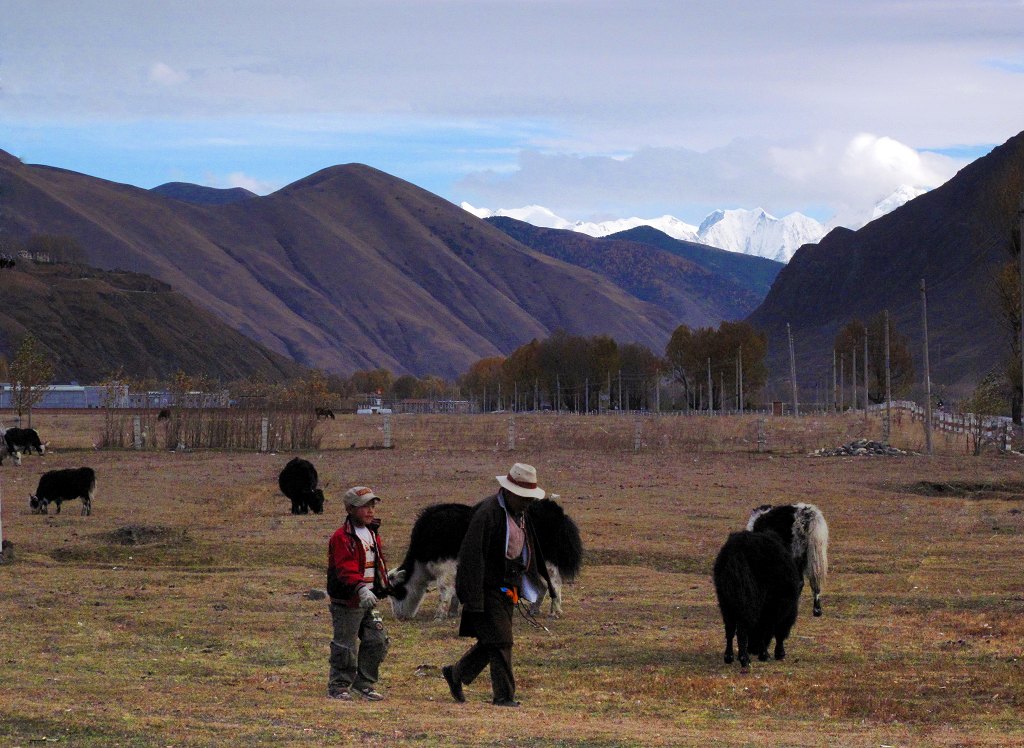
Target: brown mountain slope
[[953, 237], [690, 292], [348, 268], [93, 323]]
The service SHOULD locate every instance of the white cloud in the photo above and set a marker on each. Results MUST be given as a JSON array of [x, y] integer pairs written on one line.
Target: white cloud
[[259, 186], [641, 108], [164, 75], [834, 173], [243, 180]]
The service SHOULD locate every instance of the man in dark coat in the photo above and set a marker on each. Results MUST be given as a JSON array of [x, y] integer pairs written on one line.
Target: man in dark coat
[[500, 562]]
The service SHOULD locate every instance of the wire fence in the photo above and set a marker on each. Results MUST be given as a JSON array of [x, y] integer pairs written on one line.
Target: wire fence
[[671, 434]]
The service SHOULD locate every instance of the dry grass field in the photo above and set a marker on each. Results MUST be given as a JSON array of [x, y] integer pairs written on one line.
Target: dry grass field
[[176, 615]]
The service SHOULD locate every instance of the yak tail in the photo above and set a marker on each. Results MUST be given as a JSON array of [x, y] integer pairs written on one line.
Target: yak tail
[[817, 550]]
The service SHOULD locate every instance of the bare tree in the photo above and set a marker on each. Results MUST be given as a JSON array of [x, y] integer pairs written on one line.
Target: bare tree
[[31, 374]]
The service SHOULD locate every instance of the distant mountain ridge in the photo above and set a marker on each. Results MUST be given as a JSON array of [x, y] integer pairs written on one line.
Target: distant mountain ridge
[[349, 268], [698, 285], [754, 273], [752, 232], [199, 195]]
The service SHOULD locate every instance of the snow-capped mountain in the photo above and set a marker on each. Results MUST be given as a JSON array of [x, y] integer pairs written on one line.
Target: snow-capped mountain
[[855, 219], [752, 232], [544, 218], [666, 224], [535, 215], [755, 232]]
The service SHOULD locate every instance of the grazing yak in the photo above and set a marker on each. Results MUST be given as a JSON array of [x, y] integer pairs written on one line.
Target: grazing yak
[[804, 531], [64, 485], [299, 482], [758, 589], [434, 548], [18, 440], [4, 452], [322, 413]]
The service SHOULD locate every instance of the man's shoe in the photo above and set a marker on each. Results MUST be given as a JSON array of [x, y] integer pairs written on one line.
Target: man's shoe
[[506, 702], [453, 685], [370, 694], [340, 694]]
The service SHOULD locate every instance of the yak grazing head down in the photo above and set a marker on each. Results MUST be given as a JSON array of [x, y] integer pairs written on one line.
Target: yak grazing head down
[[316, 501]]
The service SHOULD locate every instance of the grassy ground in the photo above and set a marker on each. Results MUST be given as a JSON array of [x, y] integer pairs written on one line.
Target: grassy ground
[[201, 633]]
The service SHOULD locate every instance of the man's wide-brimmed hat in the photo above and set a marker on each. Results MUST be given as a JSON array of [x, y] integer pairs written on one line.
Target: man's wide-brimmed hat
[[360, 496], [522, 481]]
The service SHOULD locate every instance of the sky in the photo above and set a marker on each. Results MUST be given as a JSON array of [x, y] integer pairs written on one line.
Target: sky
[[596, 110]]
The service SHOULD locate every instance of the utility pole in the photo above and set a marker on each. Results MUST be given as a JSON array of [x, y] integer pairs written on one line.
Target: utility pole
[[711, 392], [927, 373], [741, 380], [835, 385], [792, 370], [853, 375], [865, 373], [842, 384], [888, 383], [1020, 218]]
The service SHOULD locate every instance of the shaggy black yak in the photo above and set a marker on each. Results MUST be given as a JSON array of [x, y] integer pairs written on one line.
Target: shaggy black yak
[[758, 588]]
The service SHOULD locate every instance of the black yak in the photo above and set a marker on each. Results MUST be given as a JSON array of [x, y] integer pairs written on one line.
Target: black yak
[[758, 589], [6, 451], [433, 552], [299, 482], [64, 485], [18, 440], [804, 531], [324, 413]]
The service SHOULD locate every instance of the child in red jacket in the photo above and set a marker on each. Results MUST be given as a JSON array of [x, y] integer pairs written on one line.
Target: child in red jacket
[[357, 577]]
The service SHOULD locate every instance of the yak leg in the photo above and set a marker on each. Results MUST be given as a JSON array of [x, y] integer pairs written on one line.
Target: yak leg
[[730, 632], [743, 645], [448, 602]]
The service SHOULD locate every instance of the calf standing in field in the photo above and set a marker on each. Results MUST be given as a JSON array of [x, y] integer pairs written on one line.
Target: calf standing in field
[[758, 588], [64, 485], [299, 482]]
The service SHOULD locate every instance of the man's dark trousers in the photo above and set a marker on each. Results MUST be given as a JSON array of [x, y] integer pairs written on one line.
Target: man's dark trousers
[[493, 631]]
